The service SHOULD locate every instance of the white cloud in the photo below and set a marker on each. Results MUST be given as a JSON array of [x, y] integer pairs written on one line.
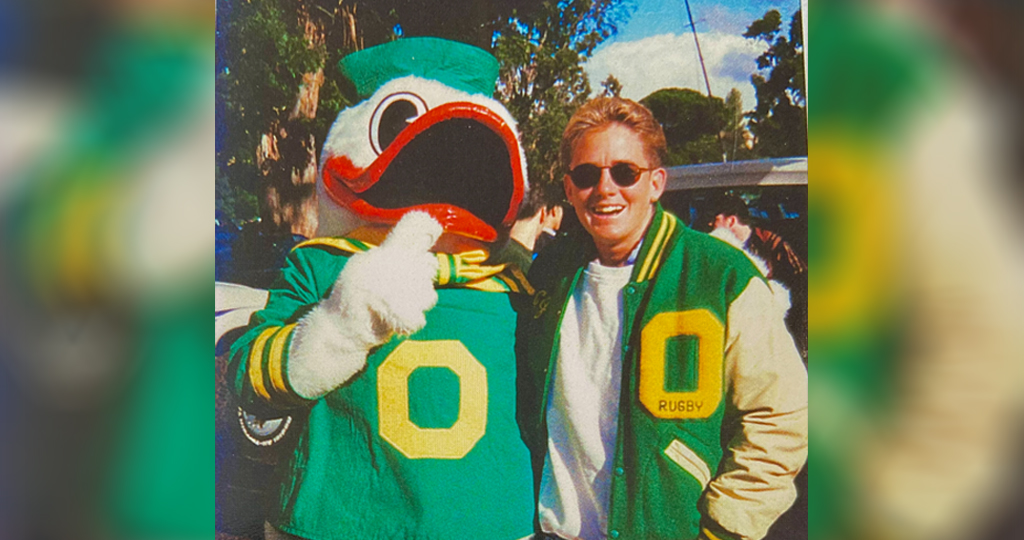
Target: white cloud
[[670, 60]]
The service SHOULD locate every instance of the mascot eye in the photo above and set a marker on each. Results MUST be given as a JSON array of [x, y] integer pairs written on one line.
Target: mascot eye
[[394, 114]]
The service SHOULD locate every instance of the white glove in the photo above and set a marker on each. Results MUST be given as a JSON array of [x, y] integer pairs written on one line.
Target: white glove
[[381, 292]]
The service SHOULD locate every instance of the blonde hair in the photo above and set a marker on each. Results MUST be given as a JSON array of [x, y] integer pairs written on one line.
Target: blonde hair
[[600, 112]]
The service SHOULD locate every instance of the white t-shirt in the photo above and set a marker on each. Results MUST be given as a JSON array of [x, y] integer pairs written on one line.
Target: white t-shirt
[[583, 408]]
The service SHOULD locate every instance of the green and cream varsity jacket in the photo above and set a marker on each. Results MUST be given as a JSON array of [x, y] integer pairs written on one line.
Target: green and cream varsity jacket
[[423, 443], [712, 423]]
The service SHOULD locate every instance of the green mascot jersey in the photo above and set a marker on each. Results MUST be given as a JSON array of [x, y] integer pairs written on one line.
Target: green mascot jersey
[[421, 444]]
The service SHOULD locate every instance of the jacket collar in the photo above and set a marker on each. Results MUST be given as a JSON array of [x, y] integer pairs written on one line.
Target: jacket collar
[[660, 236], [658, 240]]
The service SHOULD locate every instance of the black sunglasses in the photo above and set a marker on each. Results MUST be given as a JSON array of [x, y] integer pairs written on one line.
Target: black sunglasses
[[587, 175]]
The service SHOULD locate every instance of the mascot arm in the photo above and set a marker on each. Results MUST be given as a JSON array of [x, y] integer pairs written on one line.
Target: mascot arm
[[379, 293], [259, 356], [319, 325]]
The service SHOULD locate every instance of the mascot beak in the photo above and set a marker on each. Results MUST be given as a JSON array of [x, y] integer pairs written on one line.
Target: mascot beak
[[459, 162]]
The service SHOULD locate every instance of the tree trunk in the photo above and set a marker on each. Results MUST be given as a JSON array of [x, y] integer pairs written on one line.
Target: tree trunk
[[287, 152]]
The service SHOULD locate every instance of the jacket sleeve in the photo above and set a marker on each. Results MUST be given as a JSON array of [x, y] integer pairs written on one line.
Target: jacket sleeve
[[259, 358], [765, 423]]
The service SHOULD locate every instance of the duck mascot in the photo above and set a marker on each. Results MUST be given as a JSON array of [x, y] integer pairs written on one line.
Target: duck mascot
[[389, 328]]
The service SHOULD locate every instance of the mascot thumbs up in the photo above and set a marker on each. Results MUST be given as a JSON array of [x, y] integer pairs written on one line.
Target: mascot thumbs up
[[380, 293], [389, 328]]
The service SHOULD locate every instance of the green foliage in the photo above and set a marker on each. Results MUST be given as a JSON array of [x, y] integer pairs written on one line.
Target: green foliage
[[779, 121], [465, 21], [733, 110], [542, 81], [263, 54], [265, 57], [734, 137], [692, 123], [611, 87], [234, 204], [765, 28]]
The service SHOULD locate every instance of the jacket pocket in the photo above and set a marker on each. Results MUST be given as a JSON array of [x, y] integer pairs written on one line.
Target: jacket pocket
[[682, 455]]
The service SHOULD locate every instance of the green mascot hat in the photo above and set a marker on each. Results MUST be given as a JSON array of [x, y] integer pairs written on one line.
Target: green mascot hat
[[457, 65]]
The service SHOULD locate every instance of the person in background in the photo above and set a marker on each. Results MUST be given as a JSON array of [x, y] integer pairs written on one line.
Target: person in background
[[659, 392], [551, 218], [784, 265], [536, 226], [733, 224]]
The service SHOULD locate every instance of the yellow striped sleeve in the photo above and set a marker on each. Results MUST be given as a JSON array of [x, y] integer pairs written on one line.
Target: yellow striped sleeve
[[281, 391], [709, 535], [710, 530], [256, 362], [473, 273], [275, 364], [79, 269]]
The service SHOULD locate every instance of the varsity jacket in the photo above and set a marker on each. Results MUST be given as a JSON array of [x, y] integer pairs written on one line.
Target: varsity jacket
[[423, 443], [712, 424]]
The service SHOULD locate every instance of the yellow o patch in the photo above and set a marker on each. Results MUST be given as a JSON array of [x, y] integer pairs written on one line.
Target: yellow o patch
[[710, 333], [393, 400]]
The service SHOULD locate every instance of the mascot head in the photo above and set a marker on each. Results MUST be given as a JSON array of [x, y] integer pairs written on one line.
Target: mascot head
[[427, 136]]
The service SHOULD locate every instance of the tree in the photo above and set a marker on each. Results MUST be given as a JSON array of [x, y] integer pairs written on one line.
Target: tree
[[542, 81], [467, 21], [779, 122], [692, 123], [734, 110], [612, 87], [277, 90], [735, 136]]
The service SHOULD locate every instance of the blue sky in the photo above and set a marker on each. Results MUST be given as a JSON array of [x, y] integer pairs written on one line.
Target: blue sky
[[653, 17], [654, 48]]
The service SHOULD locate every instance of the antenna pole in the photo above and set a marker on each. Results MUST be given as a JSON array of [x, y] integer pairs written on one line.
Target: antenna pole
[[700, 55]]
